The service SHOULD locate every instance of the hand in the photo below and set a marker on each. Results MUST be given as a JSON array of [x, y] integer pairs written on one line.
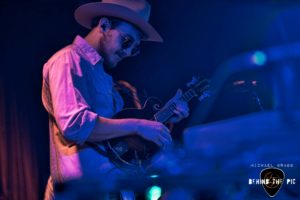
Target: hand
[[181, 111], [154, 131]]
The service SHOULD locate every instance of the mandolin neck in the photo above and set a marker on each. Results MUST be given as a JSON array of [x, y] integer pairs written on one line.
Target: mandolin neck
[[167, 111]]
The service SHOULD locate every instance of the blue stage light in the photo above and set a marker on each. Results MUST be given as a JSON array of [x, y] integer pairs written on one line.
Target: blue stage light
[[153, 176], [259, 58], [153, 193]]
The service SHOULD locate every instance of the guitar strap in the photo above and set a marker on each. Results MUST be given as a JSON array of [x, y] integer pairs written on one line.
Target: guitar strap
[[129, 94]]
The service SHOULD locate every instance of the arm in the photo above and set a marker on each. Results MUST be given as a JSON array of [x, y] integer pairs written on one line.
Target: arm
[[66, 98], [74, 117], [106, 128]]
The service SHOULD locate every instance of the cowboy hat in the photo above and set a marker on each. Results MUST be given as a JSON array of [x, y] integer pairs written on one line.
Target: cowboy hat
[[136, 12]]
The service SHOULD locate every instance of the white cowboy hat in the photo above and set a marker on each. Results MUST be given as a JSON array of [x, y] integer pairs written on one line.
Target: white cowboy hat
[[136, 12]]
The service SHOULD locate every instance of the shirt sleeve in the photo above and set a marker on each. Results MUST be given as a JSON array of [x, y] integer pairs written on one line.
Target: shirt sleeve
[[69, 96]]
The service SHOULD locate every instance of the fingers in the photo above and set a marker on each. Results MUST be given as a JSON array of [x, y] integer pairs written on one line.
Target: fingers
[[166, 134], [162, 135], [164, 142], [176, 97], [164, 128], [155, 132], [181, 111]]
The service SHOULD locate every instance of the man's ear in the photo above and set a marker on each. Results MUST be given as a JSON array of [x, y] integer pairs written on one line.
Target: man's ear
[[104, 24]]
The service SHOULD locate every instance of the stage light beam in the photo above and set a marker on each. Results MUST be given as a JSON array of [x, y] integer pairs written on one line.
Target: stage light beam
[[259, 58], [153, 193]]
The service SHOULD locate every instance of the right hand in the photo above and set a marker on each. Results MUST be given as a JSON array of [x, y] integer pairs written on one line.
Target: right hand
[[154, 131]]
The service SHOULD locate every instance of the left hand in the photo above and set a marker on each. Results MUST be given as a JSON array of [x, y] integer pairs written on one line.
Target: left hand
[[181, 111]]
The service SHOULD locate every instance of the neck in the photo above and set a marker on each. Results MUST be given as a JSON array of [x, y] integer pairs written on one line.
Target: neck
[[93, 39]]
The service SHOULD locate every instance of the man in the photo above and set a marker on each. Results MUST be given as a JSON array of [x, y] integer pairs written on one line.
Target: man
[[80, 96]]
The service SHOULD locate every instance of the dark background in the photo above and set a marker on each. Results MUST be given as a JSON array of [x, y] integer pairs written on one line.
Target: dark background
[[199, 36]]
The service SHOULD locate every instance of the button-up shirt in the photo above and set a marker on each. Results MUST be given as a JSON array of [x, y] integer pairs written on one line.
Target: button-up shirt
[[76, 90]]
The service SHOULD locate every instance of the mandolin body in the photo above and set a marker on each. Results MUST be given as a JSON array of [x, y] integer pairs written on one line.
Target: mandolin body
[[134, 151], [134, 148]]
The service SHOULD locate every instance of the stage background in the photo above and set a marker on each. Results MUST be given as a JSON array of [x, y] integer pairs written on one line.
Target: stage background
[[199, 36]]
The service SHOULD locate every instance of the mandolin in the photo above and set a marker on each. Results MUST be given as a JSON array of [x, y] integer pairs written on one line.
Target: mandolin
[[134, 151]]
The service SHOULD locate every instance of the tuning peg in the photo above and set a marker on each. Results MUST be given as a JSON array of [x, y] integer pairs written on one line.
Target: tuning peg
[[192, 82], [205, 94]]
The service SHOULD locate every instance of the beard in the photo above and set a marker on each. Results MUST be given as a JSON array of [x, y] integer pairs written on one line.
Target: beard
[[103, 51], [106, 52]]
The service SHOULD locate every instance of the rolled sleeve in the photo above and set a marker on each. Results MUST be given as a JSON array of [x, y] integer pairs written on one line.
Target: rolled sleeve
[[70, 98]]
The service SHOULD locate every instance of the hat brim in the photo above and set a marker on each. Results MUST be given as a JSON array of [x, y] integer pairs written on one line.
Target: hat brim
[[85, 13]]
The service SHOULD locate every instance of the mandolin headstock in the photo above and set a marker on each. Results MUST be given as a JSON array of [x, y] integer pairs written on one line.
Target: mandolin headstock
[[199, 87]]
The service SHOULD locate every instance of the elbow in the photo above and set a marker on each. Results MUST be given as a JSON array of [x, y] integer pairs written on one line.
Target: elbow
[[77, 129], [72, 134]]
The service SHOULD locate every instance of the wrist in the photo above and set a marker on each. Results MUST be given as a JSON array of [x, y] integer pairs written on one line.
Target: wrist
[[131, 126]]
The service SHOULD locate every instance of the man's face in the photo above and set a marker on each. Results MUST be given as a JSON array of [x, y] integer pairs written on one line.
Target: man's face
[[118, 43]]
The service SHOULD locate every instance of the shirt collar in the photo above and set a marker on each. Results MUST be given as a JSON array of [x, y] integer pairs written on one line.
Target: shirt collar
[[87, 50]]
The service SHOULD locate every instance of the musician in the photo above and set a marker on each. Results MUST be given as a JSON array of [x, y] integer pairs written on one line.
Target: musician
[[80, 96]]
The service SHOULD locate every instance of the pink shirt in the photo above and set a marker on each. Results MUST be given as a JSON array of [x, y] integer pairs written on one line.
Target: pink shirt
[[76, 90]]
